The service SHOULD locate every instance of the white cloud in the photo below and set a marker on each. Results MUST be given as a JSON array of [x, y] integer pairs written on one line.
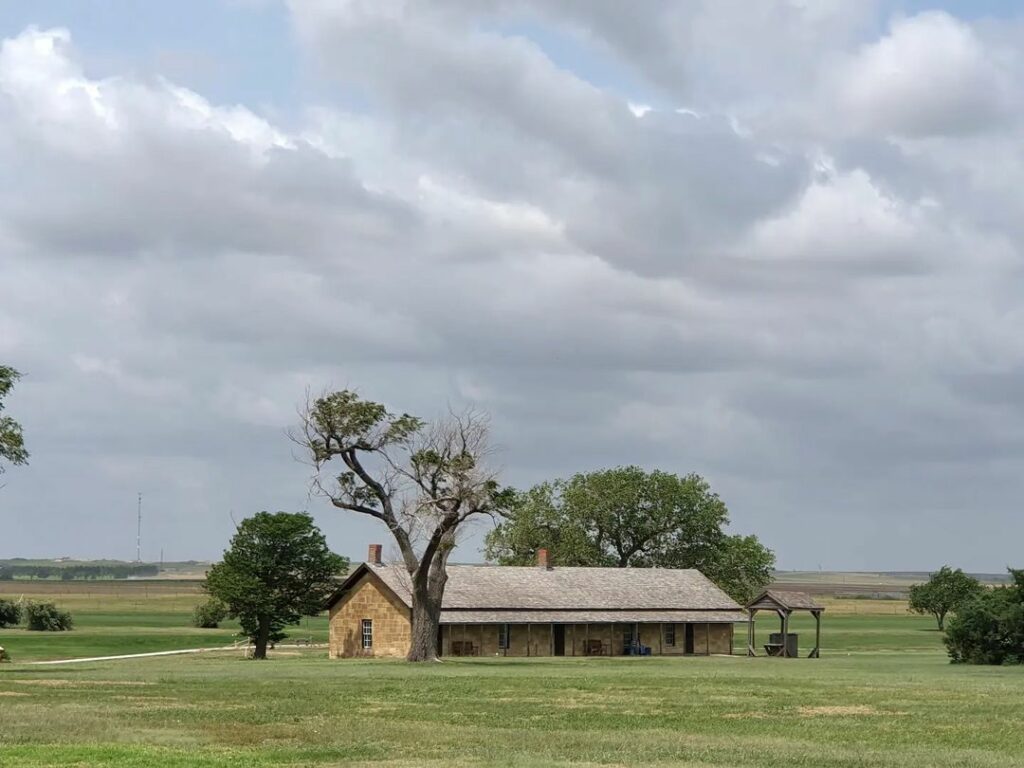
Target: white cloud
[[931, 75]]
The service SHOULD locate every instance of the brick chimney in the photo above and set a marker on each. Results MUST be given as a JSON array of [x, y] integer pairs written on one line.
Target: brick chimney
[[373, 557], [542, 559]]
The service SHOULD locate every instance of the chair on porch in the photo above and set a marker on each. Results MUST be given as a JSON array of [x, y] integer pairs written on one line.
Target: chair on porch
[[463, 648]]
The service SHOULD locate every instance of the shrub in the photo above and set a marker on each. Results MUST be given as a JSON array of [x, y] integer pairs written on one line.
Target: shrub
[[47, 617], [990, 628], [210, 614], [10, 613]]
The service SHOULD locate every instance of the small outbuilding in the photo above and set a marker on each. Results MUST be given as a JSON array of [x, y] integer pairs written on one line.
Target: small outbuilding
[[540, 610], [783, 603]]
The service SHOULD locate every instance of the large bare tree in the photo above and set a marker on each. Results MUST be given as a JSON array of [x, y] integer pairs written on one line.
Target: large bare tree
[[422, 480]]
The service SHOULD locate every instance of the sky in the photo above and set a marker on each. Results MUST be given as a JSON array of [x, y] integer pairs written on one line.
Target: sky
[[777, 243]]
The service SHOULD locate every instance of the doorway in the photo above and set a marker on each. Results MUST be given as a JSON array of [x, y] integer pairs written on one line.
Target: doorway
[[688, 639], [558, 635]]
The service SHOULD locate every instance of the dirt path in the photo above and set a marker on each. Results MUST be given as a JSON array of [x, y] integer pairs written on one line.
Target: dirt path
[[160, 653]]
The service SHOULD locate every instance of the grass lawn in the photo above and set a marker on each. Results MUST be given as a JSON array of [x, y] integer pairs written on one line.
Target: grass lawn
[[120, 617], [882, 695]]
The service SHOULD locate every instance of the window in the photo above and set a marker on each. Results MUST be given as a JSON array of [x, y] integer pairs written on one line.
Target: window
[[670, 634], [367, 634], [503, 637]]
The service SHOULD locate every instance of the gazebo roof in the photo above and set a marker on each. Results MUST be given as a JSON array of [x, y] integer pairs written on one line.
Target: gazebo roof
[[786, 600]]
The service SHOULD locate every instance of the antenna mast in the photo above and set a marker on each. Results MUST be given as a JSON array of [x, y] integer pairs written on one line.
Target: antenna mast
[[138, 534]]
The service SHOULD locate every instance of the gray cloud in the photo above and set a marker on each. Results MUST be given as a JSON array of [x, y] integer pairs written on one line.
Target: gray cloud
[[793, 271]]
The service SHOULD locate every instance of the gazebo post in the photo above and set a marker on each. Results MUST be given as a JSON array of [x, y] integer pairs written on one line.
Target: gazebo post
[[816, 653], [785, 635], [751, 633]]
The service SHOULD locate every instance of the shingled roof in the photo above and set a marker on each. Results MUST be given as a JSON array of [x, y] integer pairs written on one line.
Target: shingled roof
[[483, 593], [787, 599]]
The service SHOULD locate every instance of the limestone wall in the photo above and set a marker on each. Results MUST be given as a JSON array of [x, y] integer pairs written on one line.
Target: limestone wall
[[721, 638], [369, 600]]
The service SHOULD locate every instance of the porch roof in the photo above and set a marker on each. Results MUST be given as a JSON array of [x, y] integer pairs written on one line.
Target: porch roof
[[590, 617]]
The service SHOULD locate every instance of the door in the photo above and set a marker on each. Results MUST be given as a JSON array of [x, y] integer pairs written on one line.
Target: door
[[558, 633], [688, 639]]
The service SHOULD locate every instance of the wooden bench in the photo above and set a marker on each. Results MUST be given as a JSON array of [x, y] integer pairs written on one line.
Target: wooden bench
[[463, 648], [303, 640]]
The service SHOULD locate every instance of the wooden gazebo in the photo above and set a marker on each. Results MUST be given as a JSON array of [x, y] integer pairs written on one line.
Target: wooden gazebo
[[784, 603]]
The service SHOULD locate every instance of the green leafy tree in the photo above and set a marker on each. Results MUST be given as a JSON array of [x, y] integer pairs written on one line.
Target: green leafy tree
[[944, 592], [626, 517], [12, 442], [10, 613], [989, 627], [424, 481], [276, 570]]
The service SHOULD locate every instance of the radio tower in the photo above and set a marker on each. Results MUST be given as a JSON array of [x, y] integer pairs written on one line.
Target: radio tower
[[138, 534]]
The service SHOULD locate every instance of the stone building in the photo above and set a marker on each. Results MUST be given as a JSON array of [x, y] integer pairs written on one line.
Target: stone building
[[537, 611]]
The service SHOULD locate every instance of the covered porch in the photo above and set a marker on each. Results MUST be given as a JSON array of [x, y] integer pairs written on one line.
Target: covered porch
[[468, 636]]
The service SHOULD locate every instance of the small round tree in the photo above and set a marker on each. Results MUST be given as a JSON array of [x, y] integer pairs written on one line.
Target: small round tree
[[276, 570], [47, 617], [210, 614], [944, 592], [989, 629]]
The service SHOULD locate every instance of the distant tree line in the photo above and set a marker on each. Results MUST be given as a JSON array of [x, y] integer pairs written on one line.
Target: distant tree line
[[78, 572]]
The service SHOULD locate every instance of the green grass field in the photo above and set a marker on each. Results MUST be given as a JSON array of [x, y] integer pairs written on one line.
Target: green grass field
[[122, 617], [882, 695]]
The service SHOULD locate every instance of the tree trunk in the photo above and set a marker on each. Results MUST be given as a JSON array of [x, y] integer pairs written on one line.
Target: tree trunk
[[262, 638], [426, 617], [941, 617], [427, 593]]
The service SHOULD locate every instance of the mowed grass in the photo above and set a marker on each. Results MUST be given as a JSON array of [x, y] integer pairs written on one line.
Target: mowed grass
[[122, 617], [882, 695]]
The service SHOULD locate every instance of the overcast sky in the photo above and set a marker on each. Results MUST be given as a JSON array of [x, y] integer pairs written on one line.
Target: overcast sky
[[779, 243]]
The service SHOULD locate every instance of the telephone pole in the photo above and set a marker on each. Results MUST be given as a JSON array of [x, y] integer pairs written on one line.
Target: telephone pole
[[138, 534]]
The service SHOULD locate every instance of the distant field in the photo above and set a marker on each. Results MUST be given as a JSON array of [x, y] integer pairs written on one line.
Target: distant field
[[893, 584], [186, 569]]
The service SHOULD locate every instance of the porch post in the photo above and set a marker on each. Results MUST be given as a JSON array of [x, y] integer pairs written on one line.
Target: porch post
[[481, 653], [529, 638], [661, 638]]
